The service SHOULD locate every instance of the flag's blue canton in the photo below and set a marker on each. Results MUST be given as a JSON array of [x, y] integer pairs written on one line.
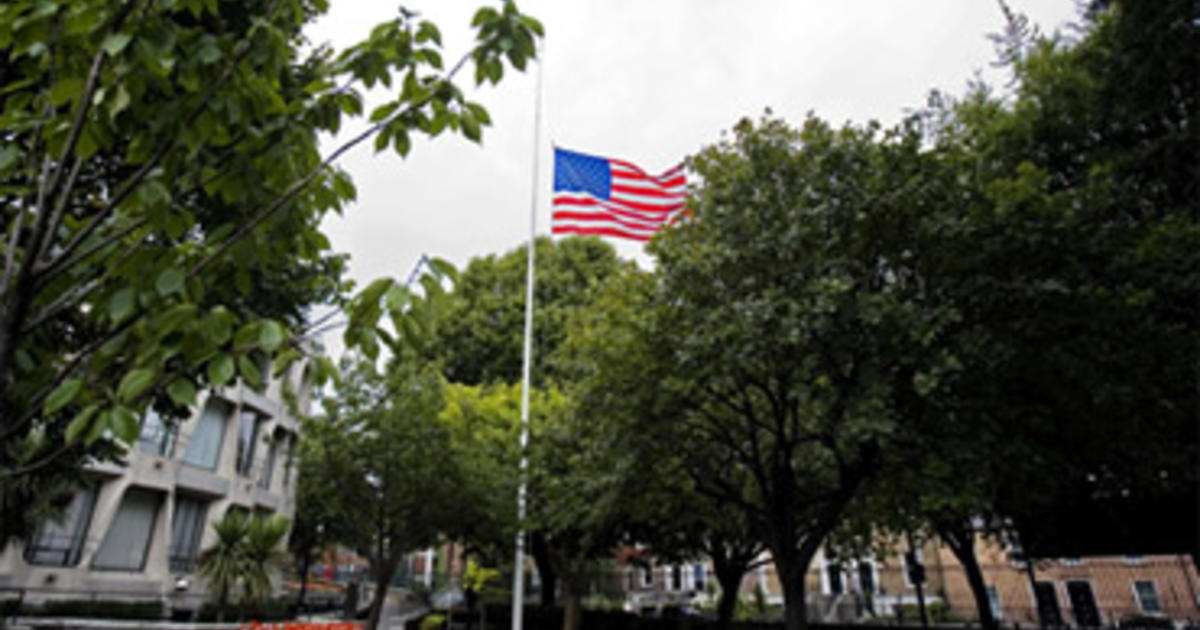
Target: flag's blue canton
[[579, 172]]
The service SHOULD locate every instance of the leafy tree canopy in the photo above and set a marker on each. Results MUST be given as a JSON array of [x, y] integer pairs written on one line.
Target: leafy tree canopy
[[161, 190]]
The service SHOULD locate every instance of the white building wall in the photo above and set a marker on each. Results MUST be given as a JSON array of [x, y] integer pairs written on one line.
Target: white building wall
[[168, 476]]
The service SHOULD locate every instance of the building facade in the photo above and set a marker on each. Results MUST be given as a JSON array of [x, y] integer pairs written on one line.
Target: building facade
[[136, 531], [1076, 592]]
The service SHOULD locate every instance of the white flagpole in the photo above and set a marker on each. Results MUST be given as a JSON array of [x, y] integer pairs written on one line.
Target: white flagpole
[[518, 601]]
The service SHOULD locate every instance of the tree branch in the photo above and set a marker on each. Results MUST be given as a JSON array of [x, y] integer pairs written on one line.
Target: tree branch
[[303, 182]]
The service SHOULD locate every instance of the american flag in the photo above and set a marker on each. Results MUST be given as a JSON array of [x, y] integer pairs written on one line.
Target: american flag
[[595, 195]]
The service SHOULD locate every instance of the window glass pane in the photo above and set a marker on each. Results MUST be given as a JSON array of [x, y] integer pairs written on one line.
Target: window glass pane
[[59, 542], [835, 579], [204, 445], [128, 538], [994, 600], [264, 478], [157, 437], [698, 577], [247, 436], [187, 526], [1147, 596]]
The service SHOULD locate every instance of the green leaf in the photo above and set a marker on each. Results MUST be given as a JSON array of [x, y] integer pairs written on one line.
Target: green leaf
[[220, 369], [134, 383], [470, 127], [484, 14], [429, 31], [80, 423], [247, 336], [124, 424], [9, 155], [219, 325], [270, 335], [170, 281], [444, 268], [182, 392], [383, 111], [401, 142], [120, 305], [66, 90], [249, 371], [62, 395], [115, 43]]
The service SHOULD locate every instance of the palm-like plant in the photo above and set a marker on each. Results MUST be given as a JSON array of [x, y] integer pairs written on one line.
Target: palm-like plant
[[225, 563], [264, 553]]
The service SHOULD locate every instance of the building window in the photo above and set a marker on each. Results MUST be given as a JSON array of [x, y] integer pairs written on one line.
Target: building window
[[157, 437], [59, 543], [834, 571], [866, 576], [264, 477], [672, 578], [647, 577], [248, 423], [289, 460], [1147, 597], [204, 445], [187, 525], [698, 577], [994, 601], [128, 539], [919, 557]]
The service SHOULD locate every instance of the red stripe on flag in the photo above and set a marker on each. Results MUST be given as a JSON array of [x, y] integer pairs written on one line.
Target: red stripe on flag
[[598, 231], [561, 215], [655, 214]]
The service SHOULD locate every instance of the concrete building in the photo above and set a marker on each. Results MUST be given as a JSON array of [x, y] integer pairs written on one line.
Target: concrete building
[[134, 534]]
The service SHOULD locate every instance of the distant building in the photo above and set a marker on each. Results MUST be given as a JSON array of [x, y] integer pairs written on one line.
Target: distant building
[[134, 534], [1076, 592]]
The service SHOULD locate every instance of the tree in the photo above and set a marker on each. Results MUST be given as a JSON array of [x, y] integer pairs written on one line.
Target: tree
[[385, 446], [319, 521], [264, 555], [247, 552], [162, 190], [784, 328], [664, 507], [1070, 261], [481, 332], [223, 565]]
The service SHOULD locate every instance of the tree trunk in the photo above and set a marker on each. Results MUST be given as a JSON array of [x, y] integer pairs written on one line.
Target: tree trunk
[[305, 565], [795, 608], [572, 608], [539, 548], [222, 602], [383, 579], [963, 547], [730, 580]]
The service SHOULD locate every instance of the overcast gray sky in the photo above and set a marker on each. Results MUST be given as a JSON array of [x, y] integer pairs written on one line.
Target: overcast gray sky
[[649, 81]]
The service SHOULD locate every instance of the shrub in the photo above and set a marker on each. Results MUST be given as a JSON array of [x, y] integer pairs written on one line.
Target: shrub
[[433, 622]]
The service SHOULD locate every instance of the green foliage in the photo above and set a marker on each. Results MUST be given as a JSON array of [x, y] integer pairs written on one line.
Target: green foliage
[[432, 621], [161, 192], [482, 334], [243, 559]]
